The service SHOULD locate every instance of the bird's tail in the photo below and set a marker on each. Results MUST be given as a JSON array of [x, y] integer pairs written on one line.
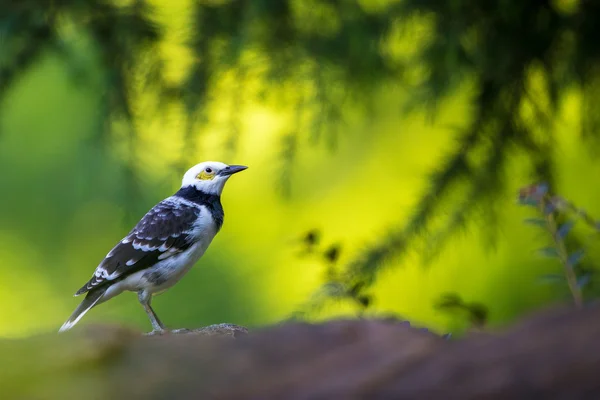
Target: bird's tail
[[91, 299]]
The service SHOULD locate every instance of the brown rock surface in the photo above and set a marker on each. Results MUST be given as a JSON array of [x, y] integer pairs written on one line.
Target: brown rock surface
[[552, 356]]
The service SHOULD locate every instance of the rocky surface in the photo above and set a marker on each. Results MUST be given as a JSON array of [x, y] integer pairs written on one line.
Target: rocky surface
[[553, 355]]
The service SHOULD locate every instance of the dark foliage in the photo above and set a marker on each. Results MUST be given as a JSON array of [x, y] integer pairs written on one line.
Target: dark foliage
[[501, 47], [476, 313], [124, 37]]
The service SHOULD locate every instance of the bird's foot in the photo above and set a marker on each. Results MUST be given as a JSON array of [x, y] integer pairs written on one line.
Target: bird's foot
[[212, 330], [156, 332]]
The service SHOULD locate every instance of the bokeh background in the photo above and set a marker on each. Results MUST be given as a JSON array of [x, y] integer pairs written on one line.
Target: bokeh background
[[387, 141]]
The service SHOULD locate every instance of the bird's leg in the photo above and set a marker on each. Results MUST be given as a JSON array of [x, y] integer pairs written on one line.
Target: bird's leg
[[157, 326]]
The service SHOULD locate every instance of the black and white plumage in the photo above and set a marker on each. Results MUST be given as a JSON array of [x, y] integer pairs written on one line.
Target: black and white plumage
[[164, 244]]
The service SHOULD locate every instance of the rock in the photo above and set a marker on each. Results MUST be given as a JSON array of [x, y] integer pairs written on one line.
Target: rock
[[553, 355], [229, 330]]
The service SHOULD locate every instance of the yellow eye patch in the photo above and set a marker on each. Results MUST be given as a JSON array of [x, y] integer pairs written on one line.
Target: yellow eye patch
[[205, 176]]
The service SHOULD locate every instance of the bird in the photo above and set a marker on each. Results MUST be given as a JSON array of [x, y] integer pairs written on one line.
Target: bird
[[163, 245]]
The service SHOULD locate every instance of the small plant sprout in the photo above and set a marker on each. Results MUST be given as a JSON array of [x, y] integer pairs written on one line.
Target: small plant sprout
[[550, 207]]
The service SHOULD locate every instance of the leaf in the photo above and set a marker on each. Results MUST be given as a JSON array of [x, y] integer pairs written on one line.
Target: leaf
[[533, 195], [448, 301], [535, 221], [549, 208], [364, 301], [549, 252], [584, 280], [575, 257], [565, 229], [529, 202], [542, 188], [355, 289], [551, 278], [333, 289]]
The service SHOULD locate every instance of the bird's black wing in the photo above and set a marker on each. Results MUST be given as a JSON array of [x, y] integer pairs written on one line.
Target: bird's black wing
[[164, 231]]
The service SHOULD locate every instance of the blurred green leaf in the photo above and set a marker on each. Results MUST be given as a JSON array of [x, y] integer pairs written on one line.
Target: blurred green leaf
[[549, 252], [575, 257], [584, 279], [565, 228], [535, 221], [551, 278]]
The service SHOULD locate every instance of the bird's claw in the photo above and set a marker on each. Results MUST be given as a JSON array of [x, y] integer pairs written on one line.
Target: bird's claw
[[156, 332]]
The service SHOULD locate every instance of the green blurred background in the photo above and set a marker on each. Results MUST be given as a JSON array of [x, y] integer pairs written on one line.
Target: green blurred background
[[73, 182]]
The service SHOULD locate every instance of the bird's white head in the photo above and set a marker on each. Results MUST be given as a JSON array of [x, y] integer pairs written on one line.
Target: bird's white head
[[210, 176]]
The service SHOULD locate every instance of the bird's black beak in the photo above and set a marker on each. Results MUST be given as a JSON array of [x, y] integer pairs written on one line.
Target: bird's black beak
[[232, 169]]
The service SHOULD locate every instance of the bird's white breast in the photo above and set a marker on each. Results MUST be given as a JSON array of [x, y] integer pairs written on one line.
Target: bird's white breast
[[173, 268]]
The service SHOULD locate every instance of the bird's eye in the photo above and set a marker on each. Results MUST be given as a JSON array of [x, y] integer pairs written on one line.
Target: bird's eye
[[207, 174]]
